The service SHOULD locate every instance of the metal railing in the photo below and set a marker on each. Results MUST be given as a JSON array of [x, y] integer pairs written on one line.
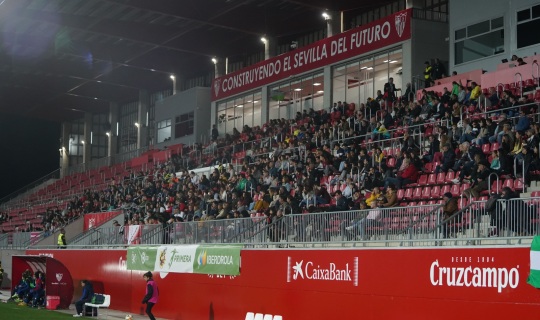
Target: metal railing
[[510, 221]]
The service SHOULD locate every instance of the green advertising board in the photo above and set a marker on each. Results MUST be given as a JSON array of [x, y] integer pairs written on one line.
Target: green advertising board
[[206, 259], [223, 260], [141, 258]]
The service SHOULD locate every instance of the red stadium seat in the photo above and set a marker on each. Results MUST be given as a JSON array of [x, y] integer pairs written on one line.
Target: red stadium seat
[[432, 179], [417, 193], [435, 192], [426, 193]]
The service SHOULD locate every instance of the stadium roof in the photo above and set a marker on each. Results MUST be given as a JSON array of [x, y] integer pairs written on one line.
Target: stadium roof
[[59, 58]]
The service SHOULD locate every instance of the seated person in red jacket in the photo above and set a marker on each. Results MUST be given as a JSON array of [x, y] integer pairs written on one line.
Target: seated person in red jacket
[[408, 175]]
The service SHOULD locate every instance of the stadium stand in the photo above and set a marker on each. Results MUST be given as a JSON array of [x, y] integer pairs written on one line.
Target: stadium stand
[[328, 160]]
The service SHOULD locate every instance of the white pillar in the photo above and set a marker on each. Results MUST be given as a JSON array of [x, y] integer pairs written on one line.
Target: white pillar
[[142, 116]]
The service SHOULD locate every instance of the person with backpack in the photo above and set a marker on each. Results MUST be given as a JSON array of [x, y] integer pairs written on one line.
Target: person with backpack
[[152, 294]]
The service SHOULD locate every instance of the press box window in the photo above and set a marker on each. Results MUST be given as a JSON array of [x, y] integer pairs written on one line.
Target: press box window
[[527, 27], [479, 40], [184, 125]]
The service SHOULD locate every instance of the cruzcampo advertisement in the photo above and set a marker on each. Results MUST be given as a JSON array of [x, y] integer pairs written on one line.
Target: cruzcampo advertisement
[[204, 259]]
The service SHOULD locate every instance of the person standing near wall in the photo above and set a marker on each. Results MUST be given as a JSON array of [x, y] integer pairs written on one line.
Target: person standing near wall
[[152, 294], [427, 75], [62, 244]]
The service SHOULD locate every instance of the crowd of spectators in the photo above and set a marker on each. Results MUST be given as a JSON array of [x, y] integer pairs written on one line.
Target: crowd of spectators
[[289, 166]]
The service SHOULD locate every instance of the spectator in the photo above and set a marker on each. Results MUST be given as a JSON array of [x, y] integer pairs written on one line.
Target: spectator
[[87, 294], [427, 74], [439, 70], [450, 207], [372, 219]]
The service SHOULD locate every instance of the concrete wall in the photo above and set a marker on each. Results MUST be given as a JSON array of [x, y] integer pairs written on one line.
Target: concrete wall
[[428, 42], [195, 99]]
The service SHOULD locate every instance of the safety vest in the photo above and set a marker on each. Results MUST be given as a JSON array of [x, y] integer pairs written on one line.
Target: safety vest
[[60, 241]]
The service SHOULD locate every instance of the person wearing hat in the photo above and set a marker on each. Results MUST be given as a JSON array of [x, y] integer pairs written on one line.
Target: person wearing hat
[[62, 244], [152, 294], [450, 207]]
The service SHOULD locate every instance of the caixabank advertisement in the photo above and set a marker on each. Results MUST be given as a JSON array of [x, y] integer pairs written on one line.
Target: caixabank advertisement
[[287, 284]]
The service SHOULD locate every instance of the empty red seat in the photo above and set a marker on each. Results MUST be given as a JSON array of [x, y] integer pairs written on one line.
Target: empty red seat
[[417, 193], [455, 190], [426, 193], [400, 194], [432, 179], [441, 178], [408, 194], [435, 192]]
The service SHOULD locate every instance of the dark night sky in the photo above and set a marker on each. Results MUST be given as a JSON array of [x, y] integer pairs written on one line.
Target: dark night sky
[[29, 151]]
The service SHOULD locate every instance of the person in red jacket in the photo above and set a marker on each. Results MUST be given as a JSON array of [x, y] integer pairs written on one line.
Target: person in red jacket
[[404, 177], [152, 294]]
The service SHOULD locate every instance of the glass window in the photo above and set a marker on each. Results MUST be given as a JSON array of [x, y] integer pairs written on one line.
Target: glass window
[[461, 33], [483, 40], [164, 130], [184, 125], [524, 15], [239, 112], [527, 33], [527, 28], [299, 95], [497, 23], [478, 28], [536, 12], [359, 80]]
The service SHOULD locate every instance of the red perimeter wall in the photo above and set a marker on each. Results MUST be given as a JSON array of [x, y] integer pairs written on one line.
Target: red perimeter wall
[[377, 284]]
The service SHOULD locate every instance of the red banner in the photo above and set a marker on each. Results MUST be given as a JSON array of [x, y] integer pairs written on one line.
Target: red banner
[[92, 220], [441, 283], [378, 34]]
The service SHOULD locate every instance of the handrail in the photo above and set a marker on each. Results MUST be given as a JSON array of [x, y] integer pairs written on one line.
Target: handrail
[[536, 67], [520, 83], [497, 89], [489, 181]]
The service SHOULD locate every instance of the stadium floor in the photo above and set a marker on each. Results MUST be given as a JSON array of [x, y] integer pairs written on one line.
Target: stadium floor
[[113, 314]]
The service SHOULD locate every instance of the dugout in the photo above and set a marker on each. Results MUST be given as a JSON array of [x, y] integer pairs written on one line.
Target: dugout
[[58, 280]]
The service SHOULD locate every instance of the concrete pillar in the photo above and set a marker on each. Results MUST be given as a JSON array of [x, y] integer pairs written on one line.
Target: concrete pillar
[[142, 118], [87, 151], [327, 87], [220, 68], [265, 106], [333, 23], [64, 148], [112, 147], [270, 47]]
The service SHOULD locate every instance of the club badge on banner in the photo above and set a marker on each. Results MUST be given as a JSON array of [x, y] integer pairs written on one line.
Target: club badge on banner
[[175, 259]]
